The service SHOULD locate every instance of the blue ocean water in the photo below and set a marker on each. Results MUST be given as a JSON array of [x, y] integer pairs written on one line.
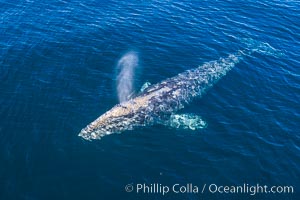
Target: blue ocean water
[[57, 72]]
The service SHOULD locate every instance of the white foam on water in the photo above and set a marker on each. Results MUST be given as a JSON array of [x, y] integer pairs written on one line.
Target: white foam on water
[[125, 78], [261, 47]]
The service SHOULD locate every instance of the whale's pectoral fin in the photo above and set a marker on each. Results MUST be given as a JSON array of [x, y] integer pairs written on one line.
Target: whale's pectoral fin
[[186, 121], [145, 86]]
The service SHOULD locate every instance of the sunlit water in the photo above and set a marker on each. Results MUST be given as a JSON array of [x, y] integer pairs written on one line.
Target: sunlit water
[[58, 73]]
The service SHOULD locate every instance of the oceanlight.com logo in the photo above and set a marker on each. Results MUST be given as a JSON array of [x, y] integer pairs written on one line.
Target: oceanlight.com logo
[[250, 189], [190, 188]]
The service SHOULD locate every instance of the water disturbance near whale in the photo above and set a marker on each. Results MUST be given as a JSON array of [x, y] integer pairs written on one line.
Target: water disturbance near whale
[[158, 103]]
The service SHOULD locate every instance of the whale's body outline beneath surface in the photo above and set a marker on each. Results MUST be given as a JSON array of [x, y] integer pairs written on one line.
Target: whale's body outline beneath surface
[[158, 102]]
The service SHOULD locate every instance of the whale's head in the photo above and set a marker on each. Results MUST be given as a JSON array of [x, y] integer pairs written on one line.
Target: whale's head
[[120, 118]]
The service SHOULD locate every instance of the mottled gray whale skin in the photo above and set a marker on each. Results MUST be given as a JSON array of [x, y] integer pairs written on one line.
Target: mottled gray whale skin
[[158, 102]]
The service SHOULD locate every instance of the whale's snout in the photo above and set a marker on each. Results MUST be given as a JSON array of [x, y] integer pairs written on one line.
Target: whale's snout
[[85, 135], [89, 133], [116, 120]]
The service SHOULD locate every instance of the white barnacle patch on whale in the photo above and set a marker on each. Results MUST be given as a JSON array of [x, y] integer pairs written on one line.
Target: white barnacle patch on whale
[[176, 93]]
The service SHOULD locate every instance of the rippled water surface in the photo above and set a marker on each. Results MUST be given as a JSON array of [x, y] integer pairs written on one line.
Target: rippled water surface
[[58, 73]]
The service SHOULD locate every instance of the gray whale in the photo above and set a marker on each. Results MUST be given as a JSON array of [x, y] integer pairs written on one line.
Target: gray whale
[[158, 102]]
